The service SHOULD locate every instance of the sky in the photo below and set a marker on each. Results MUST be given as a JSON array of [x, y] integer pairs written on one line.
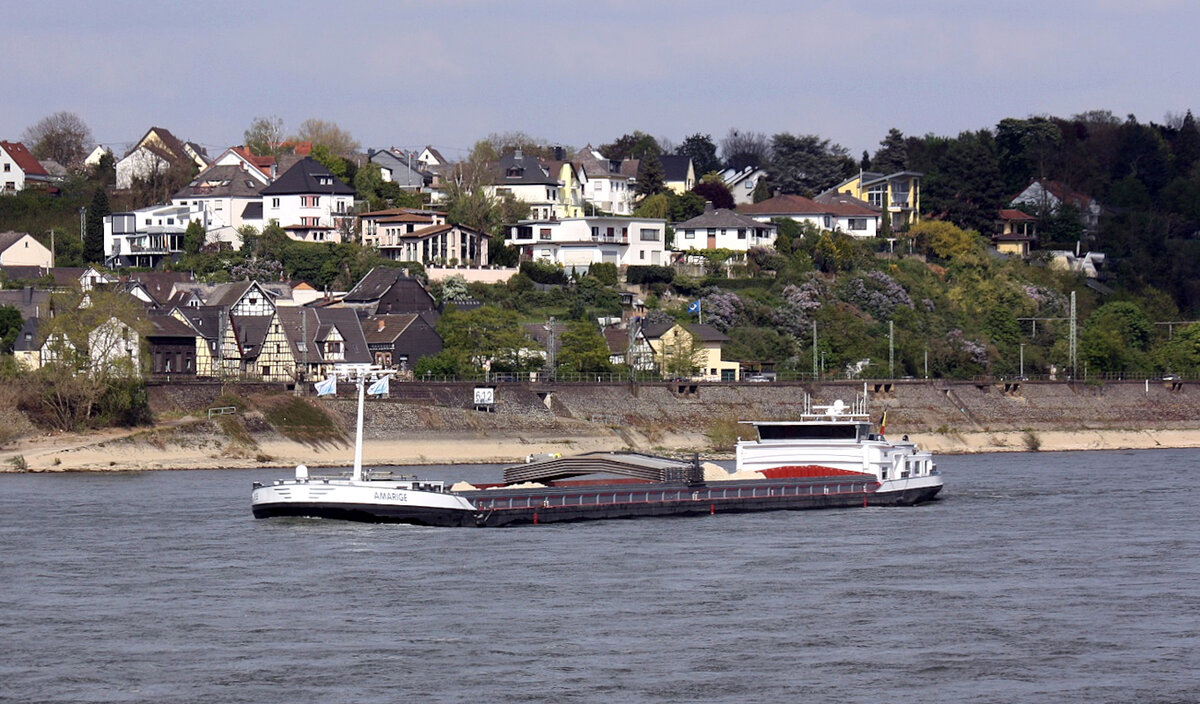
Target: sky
[[449, 72]]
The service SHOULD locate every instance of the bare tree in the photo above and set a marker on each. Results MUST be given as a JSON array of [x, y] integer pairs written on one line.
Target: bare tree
[[742, 149], [338, 140], [63, 137], [264, 136]]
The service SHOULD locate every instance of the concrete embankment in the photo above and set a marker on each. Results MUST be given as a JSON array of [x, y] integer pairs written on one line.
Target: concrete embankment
[[437, 423]]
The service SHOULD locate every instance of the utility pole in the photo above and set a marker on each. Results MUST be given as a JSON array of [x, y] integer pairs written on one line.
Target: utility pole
[[816, 373], [1073, 360], [891, 349], [52, 248], [550, 346], [1022, 372]]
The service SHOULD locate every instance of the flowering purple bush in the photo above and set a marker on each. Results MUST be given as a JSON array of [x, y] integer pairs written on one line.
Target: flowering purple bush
[[1047, 301], [722, 310], [799, 305], [876, 293], [974, 350]]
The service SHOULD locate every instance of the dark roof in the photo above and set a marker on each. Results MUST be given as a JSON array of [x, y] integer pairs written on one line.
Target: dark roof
[[23, 273], [221, 182], [846, 204], [436, 155], [675, 166], [516, 169], [617, 339], [8, 239], [160, 284], [308, 176], [376, 283], [706, 333], [166, 326], [253, 210], [27, 339], [170, 141], [205, 319], [251, 332], [380, 329], [30, 301], [653, 331], [719, 217], [317, 323]]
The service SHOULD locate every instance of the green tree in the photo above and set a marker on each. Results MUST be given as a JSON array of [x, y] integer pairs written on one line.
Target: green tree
[[10, 324], [193, 237], [1115, 338], [682, 354], [945, 240], [93, 240], [486, 335], [807, 164], [331, 160], [638, 145], [892, 155], [702, 150], [761, 191], [651, 177], [716, 193], [583, 349]]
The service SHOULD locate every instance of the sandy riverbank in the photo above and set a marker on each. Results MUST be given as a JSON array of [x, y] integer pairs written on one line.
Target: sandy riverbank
[[143, 450]]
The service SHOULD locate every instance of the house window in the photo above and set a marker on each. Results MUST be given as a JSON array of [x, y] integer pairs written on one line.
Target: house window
[[712, 232], [689, 234], [642, 254], [595, 232], [274, 202], [741, 233], [857, 223], [7, 167], [544, 233]]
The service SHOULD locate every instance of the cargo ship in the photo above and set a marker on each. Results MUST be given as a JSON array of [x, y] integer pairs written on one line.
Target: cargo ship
[[830, 458]]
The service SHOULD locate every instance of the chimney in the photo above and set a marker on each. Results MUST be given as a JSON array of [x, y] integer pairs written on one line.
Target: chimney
[[708, 206], [517, 154], [560, 154], [382, 324]]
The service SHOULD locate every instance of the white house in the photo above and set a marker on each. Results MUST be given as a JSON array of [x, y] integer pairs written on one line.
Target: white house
[[741, 183], [604, 186], [723, 229], [310, 203], [580, 242], [157, 152], [527, 180], [835, 212], [143, 238], [1049, 196], [229, 197], [19, 168], [21, 249]]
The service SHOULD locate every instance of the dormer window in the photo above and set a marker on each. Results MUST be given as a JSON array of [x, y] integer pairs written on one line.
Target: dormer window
[[325, 180], [515, 172]]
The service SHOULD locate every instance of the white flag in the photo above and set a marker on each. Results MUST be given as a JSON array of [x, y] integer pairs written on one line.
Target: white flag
[[379, 388], [327, 387]]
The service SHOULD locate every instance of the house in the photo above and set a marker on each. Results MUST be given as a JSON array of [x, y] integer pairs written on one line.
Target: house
[[605, 187], [157, 152], [228, 195], [159, 289], [94, 156], [321, 339], [389, 225], [438, 245], [22, 249], [851, 215], [310, 203], [171, 346], [19, 169], [581, 242], [679, 174], [1017, 231], [742, 182], [401, 168], [628, 346], [1046, 196], [692, 351], [723, 229], [572, 178], [27, 346], [399, 341], [115, 346], [1090, 264], [898, 193], [385, 291], [529, 181], [430, 157], [145, 237], [262, 168]]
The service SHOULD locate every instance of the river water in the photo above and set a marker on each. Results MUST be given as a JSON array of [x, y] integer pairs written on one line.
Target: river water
[[1048, 577]]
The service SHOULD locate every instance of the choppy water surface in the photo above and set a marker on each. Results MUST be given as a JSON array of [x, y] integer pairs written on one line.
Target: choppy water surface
[[1038, 578]]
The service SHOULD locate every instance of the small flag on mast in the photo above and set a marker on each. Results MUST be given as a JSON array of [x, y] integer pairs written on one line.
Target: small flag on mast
[[883, 424], [694, 307], [327, 387], [379, 388]]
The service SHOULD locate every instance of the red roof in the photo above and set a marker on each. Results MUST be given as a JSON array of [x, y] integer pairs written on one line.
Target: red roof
[[24, 158], [783, 204], [1016, 215]]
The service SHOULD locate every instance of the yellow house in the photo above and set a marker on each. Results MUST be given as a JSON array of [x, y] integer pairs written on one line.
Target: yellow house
[[899, 193], [1017, 230], [692, 352]]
